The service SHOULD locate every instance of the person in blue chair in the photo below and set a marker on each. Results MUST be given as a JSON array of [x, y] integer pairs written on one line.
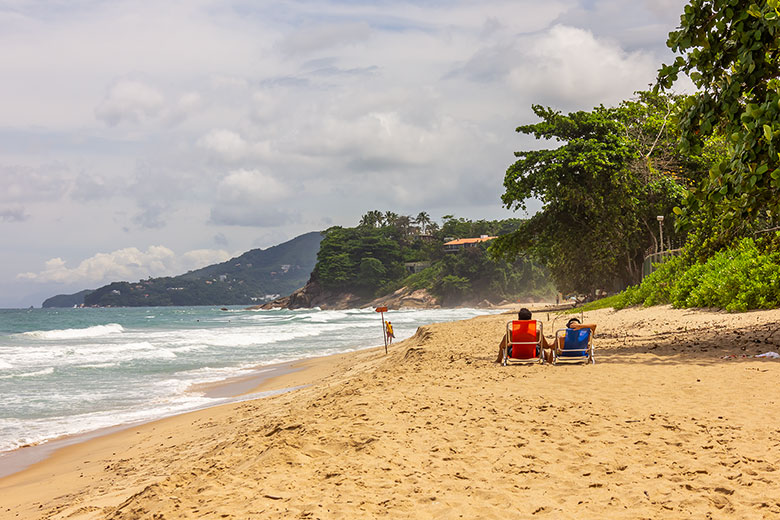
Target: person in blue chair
[[574, 324]]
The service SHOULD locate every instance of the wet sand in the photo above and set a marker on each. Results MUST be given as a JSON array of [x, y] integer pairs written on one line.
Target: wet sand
[[663, 426]]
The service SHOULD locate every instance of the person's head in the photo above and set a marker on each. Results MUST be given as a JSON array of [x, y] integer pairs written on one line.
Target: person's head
[[524, 314], [572, 321]]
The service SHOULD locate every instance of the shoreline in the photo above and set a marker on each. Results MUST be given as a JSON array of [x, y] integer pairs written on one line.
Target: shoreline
[[662, 426], [264, 381]]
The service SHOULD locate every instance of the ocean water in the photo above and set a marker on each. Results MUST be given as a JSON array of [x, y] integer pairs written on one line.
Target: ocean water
[[70, 371]]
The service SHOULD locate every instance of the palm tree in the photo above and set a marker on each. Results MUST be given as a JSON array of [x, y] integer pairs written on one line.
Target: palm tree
[[373, 218], [390, 218], [423, 220]]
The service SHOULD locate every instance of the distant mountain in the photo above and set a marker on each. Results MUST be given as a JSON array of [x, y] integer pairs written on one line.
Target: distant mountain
[[254, 277], [66, 300]]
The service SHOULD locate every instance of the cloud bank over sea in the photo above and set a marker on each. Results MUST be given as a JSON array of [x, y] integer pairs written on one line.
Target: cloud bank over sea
[[215, 127]]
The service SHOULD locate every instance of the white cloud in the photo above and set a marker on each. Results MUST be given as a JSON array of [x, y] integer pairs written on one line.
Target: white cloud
[[125, 264], [198, 123], [225, 143], [251, 198], [323, 37], [570, 68], [188, 104], [13, 215], [46, 182], [251, 186], [129, 100]]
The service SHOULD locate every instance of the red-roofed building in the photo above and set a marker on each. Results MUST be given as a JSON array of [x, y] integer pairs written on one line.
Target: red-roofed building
[[461, 243]]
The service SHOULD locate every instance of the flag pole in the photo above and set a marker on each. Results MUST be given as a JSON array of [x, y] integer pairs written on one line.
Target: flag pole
[[381, 311]]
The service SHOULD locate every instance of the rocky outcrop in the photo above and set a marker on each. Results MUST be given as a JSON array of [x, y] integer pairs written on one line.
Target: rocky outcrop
[[313, 295], [406, 298]]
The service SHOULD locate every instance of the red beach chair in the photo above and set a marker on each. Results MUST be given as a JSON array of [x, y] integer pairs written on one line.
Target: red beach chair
[[523, 341]]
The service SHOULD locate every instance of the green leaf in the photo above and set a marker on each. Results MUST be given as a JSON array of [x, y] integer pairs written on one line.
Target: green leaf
[[768, 133]]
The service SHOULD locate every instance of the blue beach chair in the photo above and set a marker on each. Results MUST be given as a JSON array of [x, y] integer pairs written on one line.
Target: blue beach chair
[[577, 346]]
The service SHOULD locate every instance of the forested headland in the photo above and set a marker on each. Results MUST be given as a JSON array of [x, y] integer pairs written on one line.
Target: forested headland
[[704, 166], [387, 252]]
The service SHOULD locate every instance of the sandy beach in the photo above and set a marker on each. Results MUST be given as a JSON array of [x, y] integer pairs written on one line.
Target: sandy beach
[[666, 424]]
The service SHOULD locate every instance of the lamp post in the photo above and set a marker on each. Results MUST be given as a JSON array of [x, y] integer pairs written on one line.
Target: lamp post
[[660, 219]]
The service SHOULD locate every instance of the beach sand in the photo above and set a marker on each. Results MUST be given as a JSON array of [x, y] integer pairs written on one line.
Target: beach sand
[[662, 426]]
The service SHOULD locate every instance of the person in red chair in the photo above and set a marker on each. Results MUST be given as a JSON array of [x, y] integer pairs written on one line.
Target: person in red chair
[[523, 314]]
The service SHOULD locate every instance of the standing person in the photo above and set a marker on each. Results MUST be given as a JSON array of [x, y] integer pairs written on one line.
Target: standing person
[[389, 329]]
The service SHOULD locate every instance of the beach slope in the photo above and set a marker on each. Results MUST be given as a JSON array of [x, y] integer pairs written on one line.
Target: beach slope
[[662, 426]]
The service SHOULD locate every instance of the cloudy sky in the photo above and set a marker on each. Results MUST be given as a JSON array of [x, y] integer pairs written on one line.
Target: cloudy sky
[[145, 138]]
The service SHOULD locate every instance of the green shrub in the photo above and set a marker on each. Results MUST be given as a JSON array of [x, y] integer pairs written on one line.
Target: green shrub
[[743, 277], [601, 303], [655, 289]]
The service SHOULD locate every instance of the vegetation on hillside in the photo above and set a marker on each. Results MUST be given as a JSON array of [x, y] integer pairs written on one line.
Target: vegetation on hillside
[[383, 252], [714, 166], [614, 171], [742, 277], [249, 278], [66, 300], [730, 49]]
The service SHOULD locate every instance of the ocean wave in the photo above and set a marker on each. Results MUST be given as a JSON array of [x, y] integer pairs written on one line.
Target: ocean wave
[[99, 353], [5, 366], [89, 332], [44, 372], [326, 316], [98, 365]]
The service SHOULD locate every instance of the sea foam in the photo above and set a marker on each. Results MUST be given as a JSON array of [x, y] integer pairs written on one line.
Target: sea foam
[[88, 332], [44, 372]]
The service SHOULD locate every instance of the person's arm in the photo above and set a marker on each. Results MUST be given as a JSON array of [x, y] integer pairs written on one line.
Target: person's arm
[[591, 326]]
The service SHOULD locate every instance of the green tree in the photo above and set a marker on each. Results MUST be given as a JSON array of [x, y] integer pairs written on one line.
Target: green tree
[[344, 256], [372, 273], [389, 218], [423, 220], [731, 51], [452, 287], [338, 271], [600, 191], [372, 219]]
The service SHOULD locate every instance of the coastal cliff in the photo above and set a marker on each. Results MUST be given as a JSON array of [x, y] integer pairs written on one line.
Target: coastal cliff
[[313, 295]]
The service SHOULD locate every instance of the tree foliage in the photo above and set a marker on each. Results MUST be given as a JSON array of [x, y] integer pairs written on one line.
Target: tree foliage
[[615, 170], [361, 259], [731, 51], [368, 260]]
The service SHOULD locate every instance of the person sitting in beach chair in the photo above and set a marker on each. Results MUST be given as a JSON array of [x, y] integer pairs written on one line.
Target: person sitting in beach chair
[[574, 343], [523, 340]]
